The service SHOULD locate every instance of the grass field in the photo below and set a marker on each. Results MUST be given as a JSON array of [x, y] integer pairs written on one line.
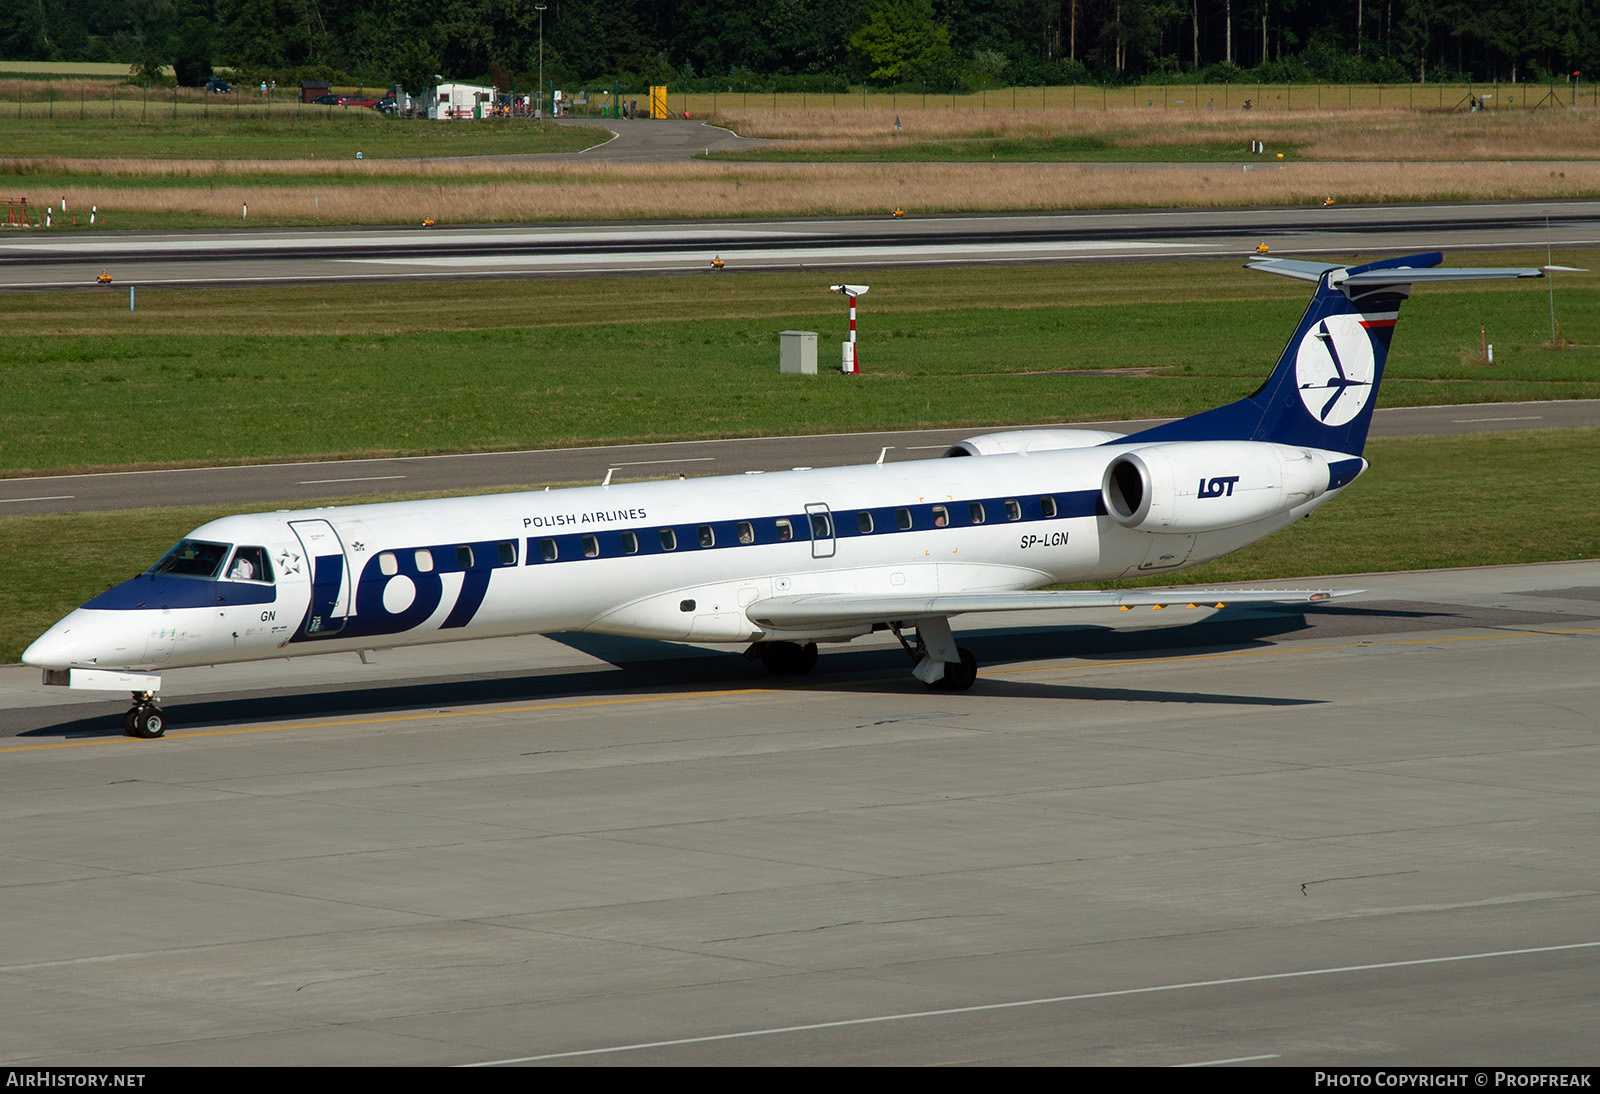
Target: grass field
[[192, 161], [142, 136], [600, 191], [1427, 501], [302, 373], [1133, 134]]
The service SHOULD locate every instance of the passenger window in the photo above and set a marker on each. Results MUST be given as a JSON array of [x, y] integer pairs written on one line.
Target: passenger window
[[424, 561], [591, 547], [548, 550], [508, 553], [821, 526], [902, 519], [941, 516], [669, 540], [747, 534], [975, 511], [864, 523], [250, 564], [785, 531], [630, 543], [708, 538], [1013, 509], [388, 565], [464, 557], [1047, 506]]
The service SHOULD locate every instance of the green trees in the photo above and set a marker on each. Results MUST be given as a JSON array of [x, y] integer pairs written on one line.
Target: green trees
[[900, 41], [979, 42], [191, 60]]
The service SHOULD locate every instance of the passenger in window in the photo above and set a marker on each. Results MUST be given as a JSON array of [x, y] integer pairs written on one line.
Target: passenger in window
[[249, 564]]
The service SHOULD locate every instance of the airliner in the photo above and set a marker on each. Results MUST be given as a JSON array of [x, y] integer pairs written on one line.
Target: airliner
[[779, 562]]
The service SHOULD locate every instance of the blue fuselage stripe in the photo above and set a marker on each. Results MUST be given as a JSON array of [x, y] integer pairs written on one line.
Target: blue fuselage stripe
[[569, 547]]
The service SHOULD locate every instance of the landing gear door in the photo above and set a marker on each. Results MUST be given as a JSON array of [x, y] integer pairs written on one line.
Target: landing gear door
[[330, 577], [821, 530]]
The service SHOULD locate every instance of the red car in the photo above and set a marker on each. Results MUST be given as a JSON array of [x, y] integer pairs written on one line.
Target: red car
[[357, 102]]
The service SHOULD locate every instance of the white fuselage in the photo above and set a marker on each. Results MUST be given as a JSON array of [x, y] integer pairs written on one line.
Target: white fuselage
[[682, 560]]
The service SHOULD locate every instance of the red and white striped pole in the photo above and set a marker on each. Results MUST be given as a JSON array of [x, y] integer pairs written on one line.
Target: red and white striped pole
[[849, 364]]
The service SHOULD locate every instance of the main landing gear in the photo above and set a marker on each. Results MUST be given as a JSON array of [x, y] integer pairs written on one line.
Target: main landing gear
[[785, 658], [933, 637], [939, 662], [144, 719]]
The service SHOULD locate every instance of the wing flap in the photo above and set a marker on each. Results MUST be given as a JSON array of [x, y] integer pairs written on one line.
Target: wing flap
[[829, 609]]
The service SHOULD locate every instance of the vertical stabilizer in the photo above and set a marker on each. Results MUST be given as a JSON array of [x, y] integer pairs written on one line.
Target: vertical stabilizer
[[1325, 386]]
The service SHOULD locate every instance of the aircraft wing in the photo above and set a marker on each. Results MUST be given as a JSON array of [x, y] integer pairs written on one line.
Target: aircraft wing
[[828, 609]]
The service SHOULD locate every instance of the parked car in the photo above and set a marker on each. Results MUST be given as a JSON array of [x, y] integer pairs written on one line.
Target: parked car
[[218, 85], [325, 100], [352, 101]]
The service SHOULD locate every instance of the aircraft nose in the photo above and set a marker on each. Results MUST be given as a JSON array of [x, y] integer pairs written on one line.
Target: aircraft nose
[[52, 650]]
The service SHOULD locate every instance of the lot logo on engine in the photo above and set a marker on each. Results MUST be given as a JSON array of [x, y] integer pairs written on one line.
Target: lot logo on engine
[[1334, 369]]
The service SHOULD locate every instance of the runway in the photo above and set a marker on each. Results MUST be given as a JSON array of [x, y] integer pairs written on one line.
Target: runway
[[275, 484], [1358, 834], [355, 255]]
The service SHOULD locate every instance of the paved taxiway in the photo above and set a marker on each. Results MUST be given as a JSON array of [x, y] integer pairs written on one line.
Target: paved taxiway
[[1362, 834], [326, 255], [276, 484]]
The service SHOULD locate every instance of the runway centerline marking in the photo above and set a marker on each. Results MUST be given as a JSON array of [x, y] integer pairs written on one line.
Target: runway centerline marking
[[361, 478], [686, 459], [981, 1008], [51, 497]]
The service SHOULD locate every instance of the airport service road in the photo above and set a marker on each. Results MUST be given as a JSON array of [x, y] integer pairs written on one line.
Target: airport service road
[[1359, 835], [251, 257], [276, 484]]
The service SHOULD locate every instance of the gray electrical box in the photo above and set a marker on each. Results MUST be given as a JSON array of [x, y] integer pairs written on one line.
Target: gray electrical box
[[797, 352]]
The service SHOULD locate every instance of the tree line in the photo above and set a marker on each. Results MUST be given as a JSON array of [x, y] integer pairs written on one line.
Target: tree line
[[698, 45]]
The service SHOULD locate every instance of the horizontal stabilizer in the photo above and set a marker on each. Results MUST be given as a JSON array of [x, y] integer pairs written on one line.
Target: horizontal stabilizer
[[1292, 267], [1463, 273], [1414, 270], [830, 609]]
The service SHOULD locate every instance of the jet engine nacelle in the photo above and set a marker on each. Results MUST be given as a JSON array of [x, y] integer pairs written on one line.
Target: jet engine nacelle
[[1031, 440], [1204, 486]]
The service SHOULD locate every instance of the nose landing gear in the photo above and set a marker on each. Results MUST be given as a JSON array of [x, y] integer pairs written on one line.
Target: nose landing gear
[[144, 720]]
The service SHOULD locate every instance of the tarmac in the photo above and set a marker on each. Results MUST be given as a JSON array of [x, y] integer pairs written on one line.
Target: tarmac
[[1361, 833]]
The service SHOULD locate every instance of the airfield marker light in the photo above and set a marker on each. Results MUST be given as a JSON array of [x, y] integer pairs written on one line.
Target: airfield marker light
[[244, 211]]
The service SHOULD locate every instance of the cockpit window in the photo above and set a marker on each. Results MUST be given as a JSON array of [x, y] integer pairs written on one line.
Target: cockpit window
[[192, 558], [250, 564]]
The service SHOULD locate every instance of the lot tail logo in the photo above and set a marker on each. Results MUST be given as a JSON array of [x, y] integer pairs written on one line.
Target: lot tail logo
[[1334, 369]]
